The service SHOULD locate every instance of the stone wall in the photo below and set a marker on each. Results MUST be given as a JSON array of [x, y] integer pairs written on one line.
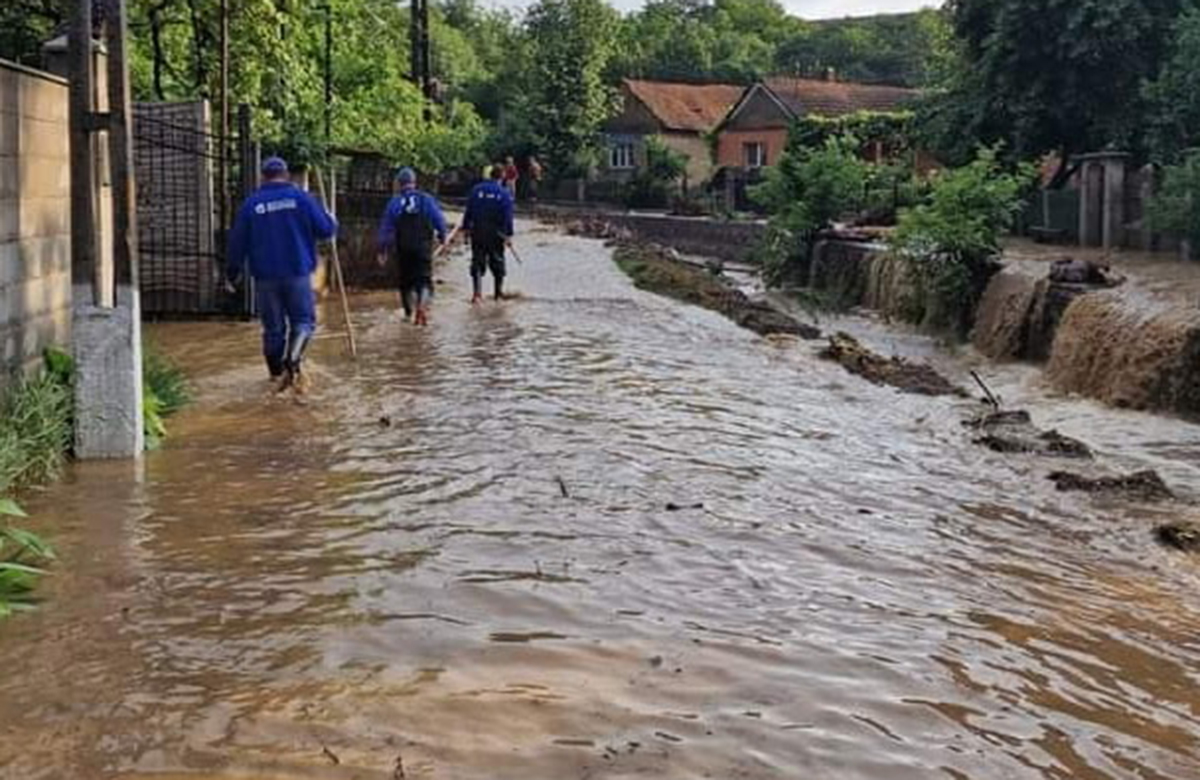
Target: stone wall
[[35, 226]]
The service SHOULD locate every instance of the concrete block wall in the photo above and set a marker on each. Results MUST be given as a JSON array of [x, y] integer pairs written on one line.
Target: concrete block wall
[[724, 240], [35, 227]]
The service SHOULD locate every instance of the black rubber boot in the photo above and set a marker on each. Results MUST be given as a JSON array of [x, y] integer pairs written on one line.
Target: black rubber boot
[[275, 366], [293, 362]]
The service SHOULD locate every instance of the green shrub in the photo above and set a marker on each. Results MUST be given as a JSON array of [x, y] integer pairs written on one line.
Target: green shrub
[[1175, 208], [22, 558], [804, 193], [953, 238], [654, 183]]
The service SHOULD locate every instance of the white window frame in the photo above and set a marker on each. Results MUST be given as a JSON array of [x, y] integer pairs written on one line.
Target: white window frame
[[755, 154], [622, 156]]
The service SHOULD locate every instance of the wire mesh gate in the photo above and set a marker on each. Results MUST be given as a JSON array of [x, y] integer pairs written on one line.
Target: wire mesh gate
[[184, 209]]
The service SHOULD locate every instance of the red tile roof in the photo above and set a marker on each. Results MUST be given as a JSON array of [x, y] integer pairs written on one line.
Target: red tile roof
[[837, 98], [687, 107]]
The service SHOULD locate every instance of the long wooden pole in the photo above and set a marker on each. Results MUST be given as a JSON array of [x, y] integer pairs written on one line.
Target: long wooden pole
[[338, 279], [83, 215], [120, 145]]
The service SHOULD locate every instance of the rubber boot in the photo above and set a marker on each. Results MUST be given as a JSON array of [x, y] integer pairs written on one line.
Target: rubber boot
[[294, 376], [406, 301], [499, 286], [275, 367], [477, 290]]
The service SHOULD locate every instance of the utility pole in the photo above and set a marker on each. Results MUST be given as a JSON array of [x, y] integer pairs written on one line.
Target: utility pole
[[107, 340]]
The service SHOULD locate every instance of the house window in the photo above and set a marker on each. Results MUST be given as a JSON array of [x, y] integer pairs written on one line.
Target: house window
[[620, 156], [755, 154]]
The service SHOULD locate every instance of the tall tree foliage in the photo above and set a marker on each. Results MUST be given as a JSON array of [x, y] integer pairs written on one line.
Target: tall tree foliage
[[894, 49], [566, 98], [1174, 97], [1045, 75]]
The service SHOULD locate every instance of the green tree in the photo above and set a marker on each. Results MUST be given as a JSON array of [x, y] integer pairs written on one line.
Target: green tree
[[1044, 75], [1175, 96], [890, 49], [1176, 206], [565, 98]]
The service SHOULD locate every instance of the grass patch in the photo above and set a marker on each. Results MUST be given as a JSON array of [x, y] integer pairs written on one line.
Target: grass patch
[[35, 429]]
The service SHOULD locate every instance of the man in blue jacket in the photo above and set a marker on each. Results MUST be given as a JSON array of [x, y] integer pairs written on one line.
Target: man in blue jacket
[[410, 223], [275, 233], [489, 222]]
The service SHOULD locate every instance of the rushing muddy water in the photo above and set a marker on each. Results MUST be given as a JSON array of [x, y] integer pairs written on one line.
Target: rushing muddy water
[[456, 561]]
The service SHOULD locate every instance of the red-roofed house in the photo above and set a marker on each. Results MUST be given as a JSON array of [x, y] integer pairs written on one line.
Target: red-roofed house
[[755, 131], [682, 115]]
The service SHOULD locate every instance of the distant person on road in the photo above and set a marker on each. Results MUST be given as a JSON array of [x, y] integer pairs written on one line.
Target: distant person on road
[[512, 175], [410, 224], [489, 223], [275, 233], [536, 172]]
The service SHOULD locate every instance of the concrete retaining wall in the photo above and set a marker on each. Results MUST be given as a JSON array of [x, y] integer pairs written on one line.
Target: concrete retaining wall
[[729, 241], [35, 226]]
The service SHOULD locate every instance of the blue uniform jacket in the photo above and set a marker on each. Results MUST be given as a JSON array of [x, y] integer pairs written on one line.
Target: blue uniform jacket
[[408, 202], [491, 204], [277, 230]]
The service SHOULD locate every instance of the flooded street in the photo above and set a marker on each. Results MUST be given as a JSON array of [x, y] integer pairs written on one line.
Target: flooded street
[[594, 533]]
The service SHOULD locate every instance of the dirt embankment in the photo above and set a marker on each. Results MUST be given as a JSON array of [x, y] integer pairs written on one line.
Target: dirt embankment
[[660, 271], [918, 378]]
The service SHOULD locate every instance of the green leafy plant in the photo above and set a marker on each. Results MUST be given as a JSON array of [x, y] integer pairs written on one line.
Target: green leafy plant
[[164, 392], [1176, 206], [23, 556], [952, 239]]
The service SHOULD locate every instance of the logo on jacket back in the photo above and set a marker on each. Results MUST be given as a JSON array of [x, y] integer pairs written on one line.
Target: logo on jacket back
[[271, 206]]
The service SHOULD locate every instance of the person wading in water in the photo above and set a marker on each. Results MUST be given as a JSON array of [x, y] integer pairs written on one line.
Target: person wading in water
[[411, 222], [275, 233], [489, 222]]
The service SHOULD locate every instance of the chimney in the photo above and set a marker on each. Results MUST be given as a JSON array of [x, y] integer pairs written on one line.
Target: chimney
[[831, 74]]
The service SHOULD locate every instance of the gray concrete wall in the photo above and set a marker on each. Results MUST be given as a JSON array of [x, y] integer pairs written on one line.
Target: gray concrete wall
[[35, 237], [724, 240]]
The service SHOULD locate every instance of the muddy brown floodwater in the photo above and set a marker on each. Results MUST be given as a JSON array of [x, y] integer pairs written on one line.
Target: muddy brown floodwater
[[492, 586]]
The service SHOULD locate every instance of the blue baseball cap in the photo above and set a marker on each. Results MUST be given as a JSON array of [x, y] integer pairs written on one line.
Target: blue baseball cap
[[273, 166], [406, 175]]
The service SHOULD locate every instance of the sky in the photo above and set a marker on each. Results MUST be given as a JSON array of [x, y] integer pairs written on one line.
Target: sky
[[805, 9]]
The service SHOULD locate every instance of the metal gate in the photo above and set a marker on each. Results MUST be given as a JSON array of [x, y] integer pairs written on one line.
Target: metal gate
[[183, 209]]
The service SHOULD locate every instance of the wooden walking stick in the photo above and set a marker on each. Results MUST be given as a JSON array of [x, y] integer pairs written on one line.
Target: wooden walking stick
[[339, 280]]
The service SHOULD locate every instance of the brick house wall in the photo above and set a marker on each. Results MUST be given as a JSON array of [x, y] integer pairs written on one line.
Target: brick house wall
[[731, 145]]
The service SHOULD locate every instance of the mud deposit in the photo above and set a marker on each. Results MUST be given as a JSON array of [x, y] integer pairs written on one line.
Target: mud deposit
[[1142, 486], [1014, 432], [918, 378], [595, 534], [655, 269], [1184, 537]]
